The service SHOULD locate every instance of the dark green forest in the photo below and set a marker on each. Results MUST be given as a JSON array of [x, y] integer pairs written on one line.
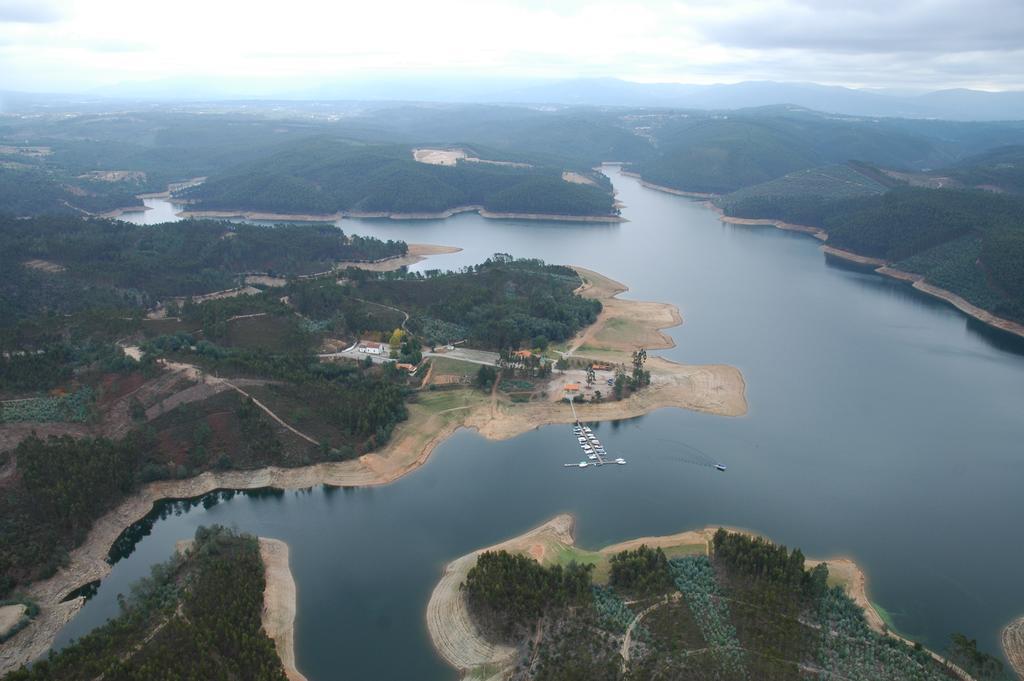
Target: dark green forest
[[195, 616], [509, 592], [326, 175], [500, 303], [107, 263]]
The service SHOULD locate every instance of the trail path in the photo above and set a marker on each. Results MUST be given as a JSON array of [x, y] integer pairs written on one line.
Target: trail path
[[627, 640], [195, 373]]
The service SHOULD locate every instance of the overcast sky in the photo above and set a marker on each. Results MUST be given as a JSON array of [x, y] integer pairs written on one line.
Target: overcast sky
[[76, 45]]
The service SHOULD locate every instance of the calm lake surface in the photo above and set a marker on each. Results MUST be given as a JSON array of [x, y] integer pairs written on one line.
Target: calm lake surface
[[883, 426]]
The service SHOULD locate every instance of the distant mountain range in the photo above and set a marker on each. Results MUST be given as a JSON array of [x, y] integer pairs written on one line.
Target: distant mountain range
[[946, 104], [956, 104]]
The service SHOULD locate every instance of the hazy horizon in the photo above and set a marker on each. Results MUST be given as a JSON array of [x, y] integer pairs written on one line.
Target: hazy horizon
[[69, 46]]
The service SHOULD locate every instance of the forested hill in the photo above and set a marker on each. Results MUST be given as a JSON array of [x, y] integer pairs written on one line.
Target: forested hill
[[63, 264], [306, 157], [968, 241], [326, 175], [195, 616], [725, 152], [1000, 169]]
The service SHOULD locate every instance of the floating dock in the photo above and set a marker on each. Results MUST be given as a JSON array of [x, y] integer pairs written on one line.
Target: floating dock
[[591, 446]]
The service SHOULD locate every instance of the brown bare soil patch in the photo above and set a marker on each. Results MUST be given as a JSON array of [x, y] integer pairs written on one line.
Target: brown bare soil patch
[[576, 178], [438, 157]]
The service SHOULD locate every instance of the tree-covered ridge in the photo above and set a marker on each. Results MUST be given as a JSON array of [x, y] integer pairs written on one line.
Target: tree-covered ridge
[[326, 175], [749, 611], [29, 191], [500, 303], [966, 241], [111, 263], [1001, 169], [795, 189], [722, 153], [196, 616]]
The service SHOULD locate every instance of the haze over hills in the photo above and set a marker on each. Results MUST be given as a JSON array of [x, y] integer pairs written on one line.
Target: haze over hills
[[952, 104]]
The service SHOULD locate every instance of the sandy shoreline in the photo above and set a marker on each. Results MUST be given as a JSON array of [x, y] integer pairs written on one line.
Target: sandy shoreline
[[416, 253], [465, 648], [667, 190], [278, 616], [279, 604], [816, 232]]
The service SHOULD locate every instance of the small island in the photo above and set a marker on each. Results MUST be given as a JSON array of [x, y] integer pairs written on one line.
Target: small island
[[709, 603]]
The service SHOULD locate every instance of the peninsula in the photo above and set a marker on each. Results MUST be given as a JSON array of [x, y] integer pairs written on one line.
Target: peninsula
[[698, 604], [196, 398]]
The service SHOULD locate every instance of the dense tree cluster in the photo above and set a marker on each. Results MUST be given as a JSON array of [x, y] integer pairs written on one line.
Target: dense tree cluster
[[197, 616], [643, 571], [54, 364], [65, 484], [508, 592], [502, 302], [758, 559]]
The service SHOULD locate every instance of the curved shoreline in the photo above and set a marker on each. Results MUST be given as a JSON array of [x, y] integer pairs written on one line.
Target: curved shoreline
[[440, 215], [1012, 639], [463, 646], [278, 615], [666, 189], [917, 281], [715, 389]]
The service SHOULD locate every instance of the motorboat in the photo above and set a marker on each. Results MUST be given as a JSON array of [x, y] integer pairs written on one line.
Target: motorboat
[[719, 467], [620, 461]]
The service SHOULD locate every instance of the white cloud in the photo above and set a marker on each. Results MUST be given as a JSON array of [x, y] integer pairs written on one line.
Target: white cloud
[[931, 43]]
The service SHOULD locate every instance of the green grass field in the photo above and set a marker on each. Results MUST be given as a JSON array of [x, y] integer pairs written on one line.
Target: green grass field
[[444, 366]]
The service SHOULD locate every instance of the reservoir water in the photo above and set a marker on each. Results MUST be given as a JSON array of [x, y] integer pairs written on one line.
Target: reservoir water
[[883, 426]]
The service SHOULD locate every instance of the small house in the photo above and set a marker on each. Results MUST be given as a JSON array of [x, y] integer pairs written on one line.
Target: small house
[[371, 347]]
